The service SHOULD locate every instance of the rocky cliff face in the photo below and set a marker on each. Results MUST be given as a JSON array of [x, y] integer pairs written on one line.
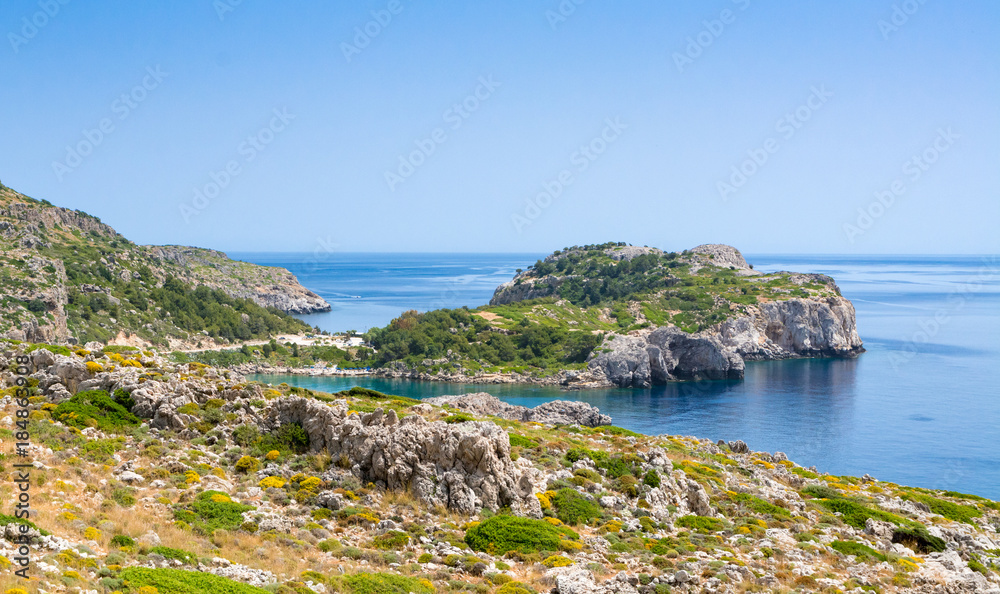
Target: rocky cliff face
[[264, 285], [774, 330]]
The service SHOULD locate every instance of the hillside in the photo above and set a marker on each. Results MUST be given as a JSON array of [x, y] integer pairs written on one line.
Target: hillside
[[614, 314], [67, 276], [151, 477]]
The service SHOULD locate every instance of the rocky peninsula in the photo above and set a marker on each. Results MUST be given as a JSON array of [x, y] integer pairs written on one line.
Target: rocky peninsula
[[629, 316]]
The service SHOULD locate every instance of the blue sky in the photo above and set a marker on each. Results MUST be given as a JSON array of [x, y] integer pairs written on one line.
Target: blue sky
[[851, 127]]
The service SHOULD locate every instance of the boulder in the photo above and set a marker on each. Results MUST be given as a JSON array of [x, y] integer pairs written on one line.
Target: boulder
[[557, 412], [463, 466]]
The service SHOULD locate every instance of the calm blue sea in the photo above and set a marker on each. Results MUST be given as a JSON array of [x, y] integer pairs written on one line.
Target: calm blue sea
[[921, 407]]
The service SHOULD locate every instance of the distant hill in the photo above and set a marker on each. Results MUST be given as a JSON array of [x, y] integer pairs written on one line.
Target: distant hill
[[68, 277], [616, 314]]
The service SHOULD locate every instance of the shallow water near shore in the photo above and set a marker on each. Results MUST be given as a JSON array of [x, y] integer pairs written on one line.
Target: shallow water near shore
[[921, 407]]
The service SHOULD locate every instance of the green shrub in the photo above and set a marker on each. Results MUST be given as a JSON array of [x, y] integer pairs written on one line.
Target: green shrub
[[574, 508], [391, 541], [700, 523], [760, 506], [385, 583], [100, 450], [502, 534], [952, 511], [515, 588], [94, 408], [521, 441], [652, 479], [862, 552], [207, 516], [458, 418], [179, 581], [121, 540], [856, 514], [169, 553], [822, 492], [5, 519], [916, 537], [55, 349]]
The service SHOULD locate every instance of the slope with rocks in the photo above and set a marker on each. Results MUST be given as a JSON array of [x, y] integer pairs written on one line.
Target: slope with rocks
[[187, 478], [615, 314], [66, 275]]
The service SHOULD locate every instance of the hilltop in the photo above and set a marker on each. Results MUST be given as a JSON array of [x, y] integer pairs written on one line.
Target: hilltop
[[68, 277], [615, 314], [153, 477]]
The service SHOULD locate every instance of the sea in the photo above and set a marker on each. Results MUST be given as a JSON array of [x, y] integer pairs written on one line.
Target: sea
[[921, 407]]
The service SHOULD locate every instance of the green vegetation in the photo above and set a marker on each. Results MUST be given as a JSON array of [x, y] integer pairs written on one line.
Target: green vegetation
[[757, 505], [574, 508], [384, 583], [210, 511], [521, 441], [176, 554], [952, 511], [857, 549], [502, 534], [179, 581], [856, 514], [95, 408], [700, 523], [392, 540]]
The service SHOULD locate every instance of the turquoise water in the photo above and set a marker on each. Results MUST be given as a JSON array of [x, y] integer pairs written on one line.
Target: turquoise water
[[921, 407]]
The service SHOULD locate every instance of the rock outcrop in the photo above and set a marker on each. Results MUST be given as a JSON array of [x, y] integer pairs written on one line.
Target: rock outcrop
[[557, 412], [773, 330], [463, 466]]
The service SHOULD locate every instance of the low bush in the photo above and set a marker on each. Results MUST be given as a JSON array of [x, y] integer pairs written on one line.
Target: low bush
[[391, 541], [207, 513], [179, 581], [384, 583], [95, 408], [862, 552], [856, 514], [759, 506], [952, 511], [574, 508], [700, 523], [521, 441], [177, 554], [502, 534]]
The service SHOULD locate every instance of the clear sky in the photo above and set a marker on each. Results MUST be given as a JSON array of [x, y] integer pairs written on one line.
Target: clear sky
[[766, 125]]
